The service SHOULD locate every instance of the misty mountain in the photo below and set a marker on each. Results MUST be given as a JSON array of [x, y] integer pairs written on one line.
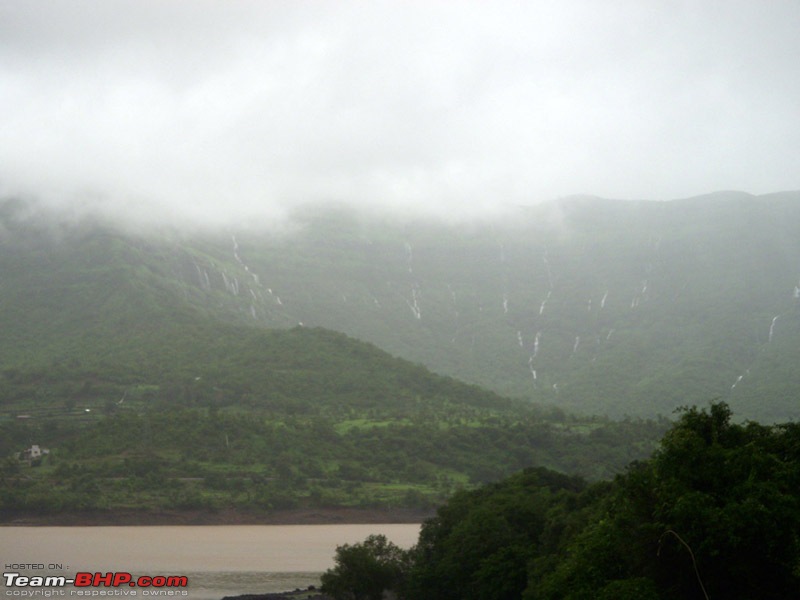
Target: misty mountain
[[593, 305]]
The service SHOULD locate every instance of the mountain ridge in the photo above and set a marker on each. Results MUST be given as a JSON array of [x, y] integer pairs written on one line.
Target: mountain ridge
[[616, 307]]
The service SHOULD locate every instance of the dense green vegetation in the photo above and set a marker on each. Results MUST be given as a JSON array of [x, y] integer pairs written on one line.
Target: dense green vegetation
[[301, 417], [714, 513], [598, 307], [619, 307], [170, 370], [132, 367]]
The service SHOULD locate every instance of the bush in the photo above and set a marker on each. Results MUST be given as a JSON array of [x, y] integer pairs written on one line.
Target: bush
[[364, 571]]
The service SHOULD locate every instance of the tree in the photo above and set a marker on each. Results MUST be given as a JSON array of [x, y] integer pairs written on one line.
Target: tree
[[729, 491], [364, 571], [480, 543], [714, 514]]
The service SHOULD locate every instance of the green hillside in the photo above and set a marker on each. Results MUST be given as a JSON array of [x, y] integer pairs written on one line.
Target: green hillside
[[170, 369], [221, 417], [592, 305], [151, 391]]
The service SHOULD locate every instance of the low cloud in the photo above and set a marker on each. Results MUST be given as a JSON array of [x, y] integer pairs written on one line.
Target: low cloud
[[223, 112]]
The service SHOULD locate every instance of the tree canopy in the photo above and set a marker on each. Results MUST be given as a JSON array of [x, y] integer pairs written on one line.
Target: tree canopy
[[714, 513], [363, 571]]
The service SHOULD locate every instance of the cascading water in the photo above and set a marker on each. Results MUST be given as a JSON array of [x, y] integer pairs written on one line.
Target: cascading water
[[409, 257], [414, 304], [202, 275], [240, 261], [546, 298], [532, 369]]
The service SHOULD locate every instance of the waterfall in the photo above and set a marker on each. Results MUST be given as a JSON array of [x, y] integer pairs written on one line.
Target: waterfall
[[409, 256], [231, 286], [414, 304], [202, 275], [241, 262], [236, 250], [546, 298]]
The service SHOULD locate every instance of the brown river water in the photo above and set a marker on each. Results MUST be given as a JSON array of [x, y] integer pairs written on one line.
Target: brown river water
[[218, 560]]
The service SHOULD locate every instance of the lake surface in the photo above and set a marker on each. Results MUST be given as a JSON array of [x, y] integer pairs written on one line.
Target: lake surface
[[218, 560]]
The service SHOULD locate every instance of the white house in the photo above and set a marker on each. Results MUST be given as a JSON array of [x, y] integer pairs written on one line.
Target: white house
[[34, 453]]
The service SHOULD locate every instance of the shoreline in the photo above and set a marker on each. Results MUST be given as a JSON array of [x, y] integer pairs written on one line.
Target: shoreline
[[299, 516]]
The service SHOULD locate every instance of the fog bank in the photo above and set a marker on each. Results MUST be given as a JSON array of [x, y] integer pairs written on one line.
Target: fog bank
[[234, 112]]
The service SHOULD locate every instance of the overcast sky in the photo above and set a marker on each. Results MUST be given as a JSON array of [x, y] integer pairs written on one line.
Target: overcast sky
[[233, 110]]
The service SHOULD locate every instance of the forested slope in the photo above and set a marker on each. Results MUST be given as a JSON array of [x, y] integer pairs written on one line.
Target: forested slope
[[593, 305]]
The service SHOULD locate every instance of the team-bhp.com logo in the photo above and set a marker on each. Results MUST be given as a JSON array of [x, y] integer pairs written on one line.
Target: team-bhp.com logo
[[89, 584]]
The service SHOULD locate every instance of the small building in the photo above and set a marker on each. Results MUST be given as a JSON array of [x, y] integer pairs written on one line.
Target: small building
[[33, 453]]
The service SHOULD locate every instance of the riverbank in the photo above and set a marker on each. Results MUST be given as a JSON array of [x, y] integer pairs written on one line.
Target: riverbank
[[304, 516]]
